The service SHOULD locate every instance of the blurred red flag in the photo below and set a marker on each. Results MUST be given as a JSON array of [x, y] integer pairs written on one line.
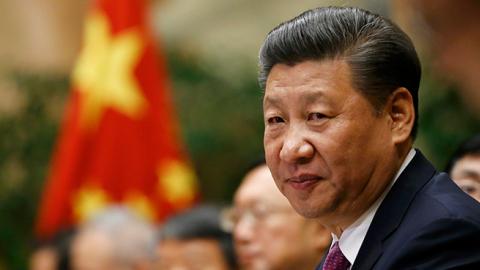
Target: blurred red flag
[[119, 141]]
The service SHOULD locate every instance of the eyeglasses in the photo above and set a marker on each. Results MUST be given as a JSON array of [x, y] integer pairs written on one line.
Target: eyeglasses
[[257, 214]]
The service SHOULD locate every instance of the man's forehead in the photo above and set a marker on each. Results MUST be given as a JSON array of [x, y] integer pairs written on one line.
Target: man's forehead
[[308, 73], [327, 82], [257, 187], [298, 69], [273, 97], [254, 192], [469, 162]]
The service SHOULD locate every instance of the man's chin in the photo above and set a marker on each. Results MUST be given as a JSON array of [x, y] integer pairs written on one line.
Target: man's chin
[[255, 265], [250, 261], [311, 211], [308, 213]]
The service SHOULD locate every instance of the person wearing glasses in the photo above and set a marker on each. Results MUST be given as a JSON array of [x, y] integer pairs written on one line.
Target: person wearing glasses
[[268, 233]]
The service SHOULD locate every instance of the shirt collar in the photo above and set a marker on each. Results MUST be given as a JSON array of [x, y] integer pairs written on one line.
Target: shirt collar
[[353, 236]]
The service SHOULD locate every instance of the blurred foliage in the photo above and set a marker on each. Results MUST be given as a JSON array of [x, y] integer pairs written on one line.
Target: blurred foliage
[[26, 140], [221, 121], [444, 122]]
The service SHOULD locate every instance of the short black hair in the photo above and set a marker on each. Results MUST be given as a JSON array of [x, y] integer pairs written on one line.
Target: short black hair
[[470, 146], [201, 222], [380, 55], [60, 242]]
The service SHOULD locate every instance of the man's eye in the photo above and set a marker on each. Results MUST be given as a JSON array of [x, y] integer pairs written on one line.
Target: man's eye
[[316, 116], [275, 120], [468, 189], [260, 212]]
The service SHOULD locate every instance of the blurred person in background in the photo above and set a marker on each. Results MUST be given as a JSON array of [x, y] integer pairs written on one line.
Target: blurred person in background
[[268, 233], [52, 254], [114, 239], [195, 240], [44, 257], [464, 167]]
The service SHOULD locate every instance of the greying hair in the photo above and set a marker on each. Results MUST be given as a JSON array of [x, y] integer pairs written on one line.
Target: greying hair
[[133, 238], [380, 55]]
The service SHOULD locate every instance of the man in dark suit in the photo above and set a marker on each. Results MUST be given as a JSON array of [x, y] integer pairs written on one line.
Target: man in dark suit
[[341, 113]]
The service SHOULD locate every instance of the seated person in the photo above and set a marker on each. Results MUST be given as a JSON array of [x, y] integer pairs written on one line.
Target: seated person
[[114, 239], [44, 256], [464, 167], [268, 233], [52, 253], [195, 240]]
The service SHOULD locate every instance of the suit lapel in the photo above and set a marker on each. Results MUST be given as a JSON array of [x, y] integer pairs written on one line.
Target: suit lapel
[[320, 265], [393, 209]]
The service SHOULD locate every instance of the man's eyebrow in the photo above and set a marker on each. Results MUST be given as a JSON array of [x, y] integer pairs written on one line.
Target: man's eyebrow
[[272, 101], [471, 174], [314, 96]]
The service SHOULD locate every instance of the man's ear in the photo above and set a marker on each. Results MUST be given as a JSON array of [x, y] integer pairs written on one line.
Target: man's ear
[[402, 114]]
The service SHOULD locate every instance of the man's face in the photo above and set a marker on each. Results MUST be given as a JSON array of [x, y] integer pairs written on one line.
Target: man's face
[[466, 173], [269, 234], [191, 254], [45, 258], [92, 250], [331, 154]]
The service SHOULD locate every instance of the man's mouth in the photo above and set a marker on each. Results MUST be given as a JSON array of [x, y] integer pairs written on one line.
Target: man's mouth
[[303, 181], [246, 257]]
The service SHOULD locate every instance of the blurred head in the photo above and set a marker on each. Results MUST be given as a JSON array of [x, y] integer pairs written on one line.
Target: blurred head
[[52, 253], [44, 258], [340, 103], [115, 239], [194, 240], [464, 167], [268, 233]]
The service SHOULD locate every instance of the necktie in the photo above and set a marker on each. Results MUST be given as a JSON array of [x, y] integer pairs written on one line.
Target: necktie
[[335, 259]]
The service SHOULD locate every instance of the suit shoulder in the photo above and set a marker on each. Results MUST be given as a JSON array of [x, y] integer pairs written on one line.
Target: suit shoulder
[[441, 198], [446, 243]]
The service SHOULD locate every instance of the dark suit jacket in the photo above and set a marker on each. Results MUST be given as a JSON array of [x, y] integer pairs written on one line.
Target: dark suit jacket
[[424, 222]]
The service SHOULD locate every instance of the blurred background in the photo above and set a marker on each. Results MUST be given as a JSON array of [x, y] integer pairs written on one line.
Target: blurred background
[[211, 49]]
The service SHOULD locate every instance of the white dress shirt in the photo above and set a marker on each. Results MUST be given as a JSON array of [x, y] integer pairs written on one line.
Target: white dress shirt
[[353, 236]]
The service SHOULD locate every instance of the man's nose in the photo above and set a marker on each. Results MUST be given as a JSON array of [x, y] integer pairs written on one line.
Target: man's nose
[[296, 148], [243, 230]]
